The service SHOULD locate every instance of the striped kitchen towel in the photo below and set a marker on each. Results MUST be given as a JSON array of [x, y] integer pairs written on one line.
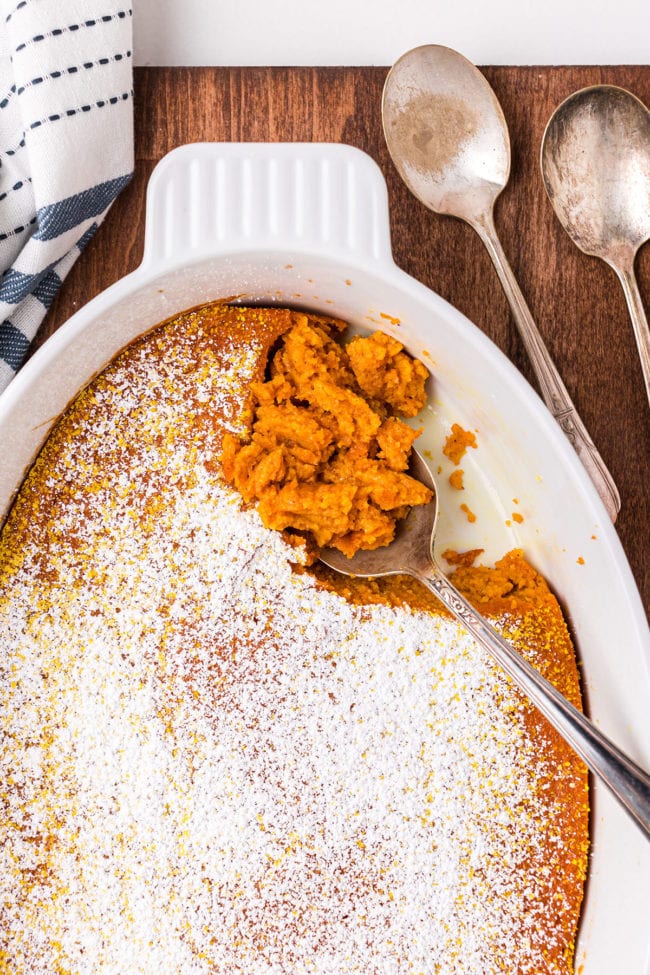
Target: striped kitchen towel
[[66, 148]]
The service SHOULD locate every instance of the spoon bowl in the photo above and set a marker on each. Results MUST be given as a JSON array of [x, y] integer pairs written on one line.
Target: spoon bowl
[[595, 161], [412, 553], [446, 132], [412, 547], [448, 138]]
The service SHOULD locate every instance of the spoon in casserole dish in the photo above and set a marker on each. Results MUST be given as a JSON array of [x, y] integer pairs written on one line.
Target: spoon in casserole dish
[[412, 553]]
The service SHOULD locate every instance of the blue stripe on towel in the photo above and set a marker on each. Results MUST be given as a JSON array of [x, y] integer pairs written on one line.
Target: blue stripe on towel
[[15, 285], [85, 239], [13, 345], [47, 288], [56, 218]]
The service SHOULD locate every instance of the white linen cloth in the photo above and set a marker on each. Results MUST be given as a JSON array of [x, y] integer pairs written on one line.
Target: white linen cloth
[[66, 148]]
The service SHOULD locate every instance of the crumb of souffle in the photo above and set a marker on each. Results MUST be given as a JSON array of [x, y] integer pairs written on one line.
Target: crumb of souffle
[[457, 443]]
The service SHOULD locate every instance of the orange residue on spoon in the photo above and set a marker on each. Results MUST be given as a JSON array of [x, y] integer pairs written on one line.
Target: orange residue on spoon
[[326, 457]]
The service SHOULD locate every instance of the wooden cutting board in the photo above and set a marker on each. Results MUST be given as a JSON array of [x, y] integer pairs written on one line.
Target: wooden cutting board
[[576, 300]]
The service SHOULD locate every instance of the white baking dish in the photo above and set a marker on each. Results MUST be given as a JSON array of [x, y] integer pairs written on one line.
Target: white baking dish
[[307, 225]]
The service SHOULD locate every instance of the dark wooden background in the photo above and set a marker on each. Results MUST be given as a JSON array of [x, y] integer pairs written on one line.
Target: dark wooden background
[[576, 300]]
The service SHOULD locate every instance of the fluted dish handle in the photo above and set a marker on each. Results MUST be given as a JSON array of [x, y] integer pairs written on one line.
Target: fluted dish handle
[[211, 198]]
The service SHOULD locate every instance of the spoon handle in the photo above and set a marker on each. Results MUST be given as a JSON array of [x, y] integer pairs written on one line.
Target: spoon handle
[[639, 321], [627, 781], [553, 390]]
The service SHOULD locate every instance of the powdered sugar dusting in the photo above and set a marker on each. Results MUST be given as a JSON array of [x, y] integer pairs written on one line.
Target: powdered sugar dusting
[[213, 765]]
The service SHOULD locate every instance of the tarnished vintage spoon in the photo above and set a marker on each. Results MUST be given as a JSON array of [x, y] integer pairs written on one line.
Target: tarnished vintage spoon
[[449, 141], [596, 168], [412, 553]]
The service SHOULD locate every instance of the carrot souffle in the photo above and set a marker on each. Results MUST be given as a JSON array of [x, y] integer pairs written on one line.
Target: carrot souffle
[[219, 757]]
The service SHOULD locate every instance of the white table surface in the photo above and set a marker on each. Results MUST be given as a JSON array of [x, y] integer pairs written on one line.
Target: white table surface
[[365, 32]]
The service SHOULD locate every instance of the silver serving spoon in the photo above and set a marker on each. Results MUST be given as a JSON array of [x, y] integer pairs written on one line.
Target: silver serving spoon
[[596, 168], [449, 141], [412, 553]]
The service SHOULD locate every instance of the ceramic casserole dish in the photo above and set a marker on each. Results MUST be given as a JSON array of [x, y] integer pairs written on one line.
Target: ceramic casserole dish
[[307, 225]]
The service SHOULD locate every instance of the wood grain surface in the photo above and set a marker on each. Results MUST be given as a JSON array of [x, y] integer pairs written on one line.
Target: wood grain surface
[[576, 300]]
